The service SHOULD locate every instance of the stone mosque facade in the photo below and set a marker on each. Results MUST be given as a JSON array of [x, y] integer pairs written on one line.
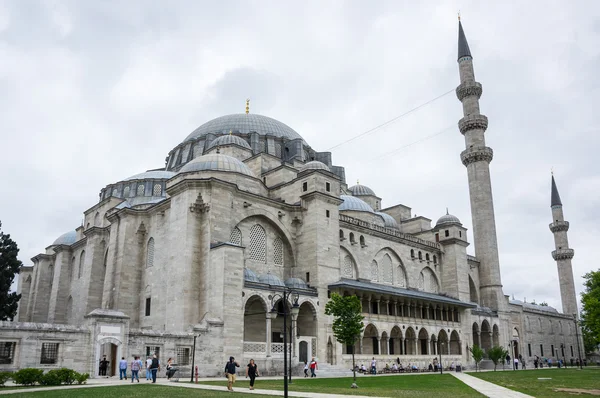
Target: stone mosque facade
[[197, 253]]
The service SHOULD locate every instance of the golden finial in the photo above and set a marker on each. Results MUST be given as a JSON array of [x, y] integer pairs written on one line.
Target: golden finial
[[552, 170], [231, 131], [247, 106], [357, 182], [459, 15]]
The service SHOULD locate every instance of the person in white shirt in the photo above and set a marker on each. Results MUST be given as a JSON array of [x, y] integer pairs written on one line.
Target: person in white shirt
[[374, 366], [148, 371]]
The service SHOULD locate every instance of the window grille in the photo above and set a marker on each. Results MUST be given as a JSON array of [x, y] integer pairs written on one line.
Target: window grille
[[258, 244], [183, 356], [140, 190], [348, 271], [386, 269], [278, 251], [374, 271], [150, 253], [157, 191], [7, 352], [126, 192], [49, 353], [153, 351], [236, 237], [278, 149]]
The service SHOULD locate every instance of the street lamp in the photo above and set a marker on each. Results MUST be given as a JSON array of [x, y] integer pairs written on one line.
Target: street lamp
[[577, 336], [562, 350], [511, 353], [193, 359], [295, 310], [440, 345]]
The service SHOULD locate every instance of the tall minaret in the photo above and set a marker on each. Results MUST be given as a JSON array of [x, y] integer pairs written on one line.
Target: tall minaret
[[563, 254], [477, 158]]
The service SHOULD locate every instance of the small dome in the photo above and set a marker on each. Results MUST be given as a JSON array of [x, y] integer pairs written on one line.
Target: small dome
[[250, 276], [217, 162], [314, 165], [447, 219], [295, 283], [229, 139], [361, 190], [389, 221], [270, 279], [355, 204], [66, 239], [152, 175]]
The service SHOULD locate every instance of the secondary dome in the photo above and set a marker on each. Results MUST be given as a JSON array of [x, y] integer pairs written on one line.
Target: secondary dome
[[250, 276], [447, 219], [361, 190], [270, 279], [295, 283], [242, 123], [355, 204], [388, 221], [66, 239], [229, 139], [217, 162], [152, 175], [314, 165]]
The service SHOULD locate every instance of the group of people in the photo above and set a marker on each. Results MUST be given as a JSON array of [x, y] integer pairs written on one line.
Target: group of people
[[397, 367], [517, 361], [152, 366]]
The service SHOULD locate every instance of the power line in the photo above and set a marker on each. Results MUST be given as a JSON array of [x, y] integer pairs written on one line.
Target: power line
[[392, 120]]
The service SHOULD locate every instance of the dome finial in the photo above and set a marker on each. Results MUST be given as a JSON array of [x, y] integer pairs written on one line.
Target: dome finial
[[447, 211], [357, 182], [247, 106], [459, 15]]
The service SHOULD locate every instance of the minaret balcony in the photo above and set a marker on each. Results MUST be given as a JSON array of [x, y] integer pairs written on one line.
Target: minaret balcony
[[468, 89], [559, 226], [476, 154], [563, 254], [473, 122]]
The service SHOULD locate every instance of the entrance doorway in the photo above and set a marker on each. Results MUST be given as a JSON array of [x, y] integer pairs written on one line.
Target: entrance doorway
[[110, 351], [303, 352]]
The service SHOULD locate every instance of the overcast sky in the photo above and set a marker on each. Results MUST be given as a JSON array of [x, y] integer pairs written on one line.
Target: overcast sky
[[92, 92]]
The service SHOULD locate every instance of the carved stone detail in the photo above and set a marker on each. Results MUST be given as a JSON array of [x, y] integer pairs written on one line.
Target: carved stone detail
[[473, 122], [469, 89], [559, 226], [563, 254], [476, 154], [199, 206]]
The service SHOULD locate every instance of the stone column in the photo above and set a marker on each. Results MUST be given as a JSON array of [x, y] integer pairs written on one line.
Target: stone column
[[478, 342], [369, 305], [460, 347], [428, 345], [378, 307], [421, 311], [268, 317], [379, 345]]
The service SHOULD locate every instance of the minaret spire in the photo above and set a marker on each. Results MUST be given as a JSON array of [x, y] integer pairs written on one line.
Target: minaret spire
[[563, 254], [476, 158]]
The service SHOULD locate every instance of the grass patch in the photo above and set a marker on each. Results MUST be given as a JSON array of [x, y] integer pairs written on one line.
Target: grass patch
[[417, 386], [527, 381], [135, 391]]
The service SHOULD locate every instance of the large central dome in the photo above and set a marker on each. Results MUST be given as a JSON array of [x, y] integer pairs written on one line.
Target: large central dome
[[243, 124]]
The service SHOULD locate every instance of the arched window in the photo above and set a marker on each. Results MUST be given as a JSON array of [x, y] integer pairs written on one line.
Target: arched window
[[157, 191], [97, 220], [150, 253], [434, 259], [427, 256], [420, 256], [71, 267], [140, 190], [352, 241], [115, 192], [236, 236], [348, 270], [386, 269], [412, 253], [258, 244], [374, 271], [362, 241], [278, 251], [342, 235], [81, 263], [126, 192]]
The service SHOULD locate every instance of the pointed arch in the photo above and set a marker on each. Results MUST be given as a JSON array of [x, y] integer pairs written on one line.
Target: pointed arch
[[255, 312], [473, 296], [486, 336], [370, 344], [410, 341], [423, 346], [81, 264], [258, 243], [236, 236], [455, 348], [97, 220], [391, 267], [495, 336], [374, 271], [395, 343], [348, 268], [150, 253], [387, 275], [428, 281]]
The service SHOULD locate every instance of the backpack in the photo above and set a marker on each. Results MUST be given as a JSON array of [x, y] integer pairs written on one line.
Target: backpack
[[154, 363]]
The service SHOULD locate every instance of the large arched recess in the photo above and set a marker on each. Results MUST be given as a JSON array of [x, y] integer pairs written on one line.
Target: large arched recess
[[473, 295], [271, 219], [343, 253], [255, 311], [396, 264]]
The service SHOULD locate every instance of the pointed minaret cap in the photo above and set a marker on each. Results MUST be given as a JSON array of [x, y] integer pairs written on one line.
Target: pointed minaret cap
[[463, 46], [555, 201]]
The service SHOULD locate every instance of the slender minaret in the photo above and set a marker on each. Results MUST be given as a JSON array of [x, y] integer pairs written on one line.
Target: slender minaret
[[563, 254], [477, 158]]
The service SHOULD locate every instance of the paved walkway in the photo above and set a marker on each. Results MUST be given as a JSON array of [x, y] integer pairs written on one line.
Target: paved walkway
[[488, 389]]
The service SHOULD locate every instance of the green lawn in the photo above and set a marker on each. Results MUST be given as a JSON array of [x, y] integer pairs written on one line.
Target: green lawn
[[135, 391], [528, 381], [417, 386]]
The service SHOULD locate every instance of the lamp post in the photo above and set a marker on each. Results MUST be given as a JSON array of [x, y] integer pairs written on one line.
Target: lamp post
[[440, 345], [193, 359], [510, 350], [562, 349], [295, 309], [577, 337]]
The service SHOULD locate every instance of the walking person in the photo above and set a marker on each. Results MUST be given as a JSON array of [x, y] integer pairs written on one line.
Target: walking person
[[516, 363], [252, 372], [154, 367], [123, 369], [373, 366], [305, 369], [136, 365], [230, 372], [103, 366], [148, 371], [313, 367]]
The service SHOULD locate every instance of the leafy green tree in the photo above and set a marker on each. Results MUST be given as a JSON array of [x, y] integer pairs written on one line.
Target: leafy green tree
[[347, 321], [590, 313], [496, 354], [9, 267], [477, 354]]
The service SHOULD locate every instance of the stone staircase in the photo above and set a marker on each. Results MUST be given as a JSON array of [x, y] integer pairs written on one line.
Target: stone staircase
[[328, 370]]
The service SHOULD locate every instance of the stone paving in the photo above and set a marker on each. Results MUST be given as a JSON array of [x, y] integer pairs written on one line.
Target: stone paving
[[488, 389]]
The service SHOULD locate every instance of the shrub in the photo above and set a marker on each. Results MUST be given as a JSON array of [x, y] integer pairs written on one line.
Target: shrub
[[51, 378], [4, 377], [28, 376], [82, 377], [66, 375]]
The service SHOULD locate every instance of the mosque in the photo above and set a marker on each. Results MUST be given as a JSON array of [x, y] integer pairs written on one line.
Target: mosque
[[188, 261]]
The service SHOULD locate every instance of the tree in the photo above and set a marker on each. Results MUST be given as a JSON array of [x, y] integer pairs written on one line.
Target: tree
[[9, 267], [590, 312], [496, 354], [477, 354], [347, 322]]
